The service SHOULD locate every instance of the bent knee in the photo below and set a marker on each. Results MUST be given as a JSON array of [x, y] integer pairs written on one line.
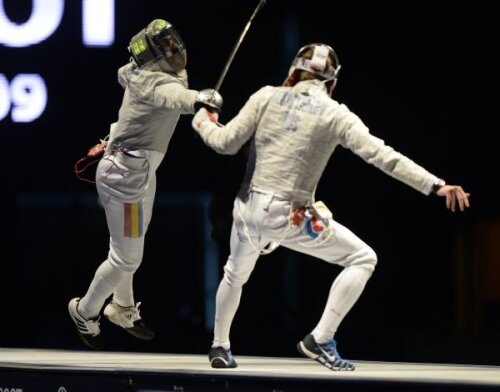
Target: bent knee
[[371, 258], [365, 257], [127, 264], [235, 278]]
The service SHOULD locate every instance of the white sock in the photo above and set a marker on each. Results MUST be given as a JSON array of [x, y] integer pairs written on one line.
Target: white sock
[[227, 301], [344, 293], [124, 293], [106, 279]]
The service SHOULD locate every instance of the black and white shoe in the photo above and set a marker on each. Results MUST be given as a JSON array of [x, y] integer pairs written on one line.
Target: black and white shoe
[[326, 353], [219, 358], [129, 319], [88, 330]]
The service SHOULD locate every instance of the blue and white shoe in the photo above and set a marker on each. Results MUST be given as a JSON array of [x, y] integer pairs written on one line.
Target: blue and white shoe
[[326, 353], [219, 357]]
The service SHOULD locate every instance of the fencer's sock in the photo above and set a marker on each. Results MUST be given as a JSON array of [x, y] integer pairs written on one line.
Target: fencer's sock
[[224, 345], [344, 293], [124, 303], [124, 293], [320, 338], [226, 300]]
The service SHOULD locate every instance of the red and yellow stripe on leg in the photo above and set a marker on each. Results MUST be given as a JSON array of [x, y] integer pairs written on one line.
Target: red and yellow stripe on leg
[[133, 220]]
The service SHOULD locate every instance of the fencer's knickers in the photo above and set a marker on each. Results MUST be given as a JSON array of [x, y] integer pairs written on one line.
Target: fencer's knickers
[[264, 217], [126, 183]]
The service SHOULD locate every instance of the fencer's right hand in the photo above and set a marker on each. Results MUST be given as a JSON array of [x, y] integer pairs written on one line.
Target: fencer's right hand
[[205, 121], [209, 99]]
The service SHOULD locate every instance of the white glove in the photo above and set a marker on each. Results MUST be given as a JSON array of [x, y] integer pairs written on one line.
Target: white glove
[[205, 121]]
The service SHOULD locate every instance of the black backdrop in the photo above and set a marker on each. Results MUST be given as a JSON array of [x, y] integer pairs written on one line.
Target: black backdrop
[[422, 76]]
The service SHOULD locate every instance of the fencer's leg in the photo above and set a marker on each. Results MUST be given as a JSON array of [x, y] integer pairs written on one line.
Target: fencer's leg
[[345, 291], [124, 256], [237, 270], [245, 245], [357, 258], [123, 295], [227, 301]]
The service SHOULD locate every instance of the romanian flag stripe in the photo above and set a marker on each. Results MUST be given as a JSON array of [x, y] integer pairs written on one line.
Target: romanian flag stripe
[[133, 220]]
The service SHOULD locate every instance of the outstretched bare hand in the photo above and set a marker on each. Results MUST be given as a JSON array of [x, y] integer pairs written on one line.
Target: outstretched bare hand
[[454, 194]]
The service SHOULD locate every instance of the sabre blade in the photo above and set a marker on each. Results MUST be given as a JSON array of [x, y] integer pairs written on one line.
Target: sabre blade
[[237, 45]]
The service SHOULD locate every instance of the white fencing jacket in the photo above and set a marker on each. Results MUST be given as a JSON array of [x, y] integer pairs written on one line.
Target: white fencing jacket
[[152, 104], [294, 132]]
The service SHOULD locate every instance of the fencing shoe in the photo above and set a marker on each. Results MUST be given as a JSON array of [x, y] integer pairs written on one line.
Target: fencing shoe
[[325, 353], [129, 319], [221, 358], [88, 330]]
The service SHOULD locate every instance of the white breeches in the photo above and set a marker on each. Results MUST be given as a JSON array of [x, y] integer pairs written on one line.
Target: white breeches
[[126, 183], [266, 218]]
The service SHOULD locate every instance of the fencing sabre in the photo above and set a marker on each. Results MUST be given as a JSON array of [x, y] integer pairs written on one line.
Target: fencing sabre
[[237, 45]]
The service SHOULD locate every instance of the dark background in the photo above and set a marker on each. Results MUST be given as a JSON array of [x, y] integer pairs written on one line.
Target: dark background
[[423, 76]]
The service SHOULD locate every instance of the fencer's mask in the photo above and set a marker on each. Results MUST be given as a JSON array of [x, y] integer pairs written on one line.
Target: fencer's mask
[[161, 43], [319, 60]]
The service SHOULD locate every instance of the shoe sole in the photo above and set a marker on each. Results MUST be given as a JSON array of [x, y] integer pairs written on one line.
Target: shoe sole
[[304, 351], [219, 363], [139, 335], [132, 331], [98, 346]]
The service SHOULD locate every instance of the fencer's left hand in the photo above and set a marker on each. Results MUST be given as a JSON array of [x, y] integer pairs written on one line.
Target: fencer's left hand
[[204, 120], [209, 99], [454, 194]]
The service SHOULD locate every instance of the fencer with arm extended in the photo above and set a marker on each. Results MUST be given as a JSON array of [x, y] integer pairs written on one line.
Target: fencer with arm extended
[[354, 135], [155, 95], [293, 131]]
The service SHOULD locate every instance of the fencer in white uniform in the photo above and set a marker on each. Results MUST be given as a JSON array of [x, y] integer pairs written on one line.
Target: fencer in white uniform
[[294, 129], [155, 95]]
